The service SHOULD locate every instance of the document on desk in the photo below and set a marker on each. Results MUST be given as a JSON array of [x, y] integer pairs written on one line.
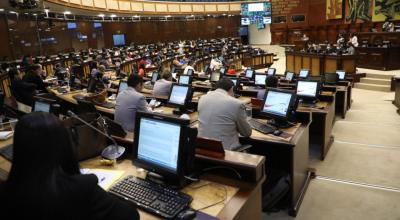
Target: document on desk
[[106, 178]]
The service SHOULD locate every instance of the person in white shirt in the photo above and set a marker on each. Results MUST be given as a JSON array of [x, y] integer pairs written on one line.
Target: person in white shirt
[[353, 40], [215, 64], [188, 67]]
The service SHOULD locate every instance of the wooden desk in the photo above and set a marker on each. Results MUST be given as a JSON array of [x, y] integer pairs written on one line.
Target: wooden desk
[[287, 154], [322, 125], [343, 96], [396, 100], [243, 197]]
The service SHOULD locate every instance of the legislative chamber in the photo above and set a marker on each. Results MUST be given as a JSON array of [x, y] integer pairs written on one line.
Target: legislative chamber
[[226, 109]]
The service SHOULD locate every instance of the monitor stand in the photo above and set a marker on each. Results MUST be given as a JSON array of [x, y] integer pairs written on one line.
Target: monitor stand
[[279, 123], [308, 103], [156, 178], [180, 111]]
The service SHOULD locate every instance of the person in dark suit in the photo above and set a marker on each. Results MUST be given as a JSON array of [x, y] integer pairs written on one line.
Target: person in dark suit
[[45, 180], [34, 76], [22, 91]]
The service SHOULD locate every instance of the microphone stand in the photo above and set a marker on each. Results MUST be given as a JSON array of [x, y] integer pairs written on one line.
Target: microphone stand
[[111, 152]]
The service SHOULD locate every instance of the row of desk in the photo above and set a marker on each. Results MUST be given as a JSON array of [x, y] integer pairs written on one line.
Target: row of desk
[[289, 153]]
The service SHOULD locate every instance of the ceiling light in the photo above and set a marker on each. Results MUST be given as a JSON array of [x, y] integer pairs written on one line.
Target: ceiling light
[[136, 16], [1, 9], [67, 12], [101, 15], [113, 16], [46, 10], [13, 12]]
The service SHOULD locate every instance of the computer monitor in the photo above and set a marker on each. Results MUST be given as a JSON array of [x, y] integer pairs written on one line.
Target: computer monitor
[[169, 152], [222, 71], [259, 79], [307, 90], [342, 74], [154, 77], [277, 105], [270, 72], [303, 73], [185, 79], [179, 95], [331, 78], [236, 81], [215, 76], [122, 86], [41, 106], [249, 73], [190, 72], [289, 76]]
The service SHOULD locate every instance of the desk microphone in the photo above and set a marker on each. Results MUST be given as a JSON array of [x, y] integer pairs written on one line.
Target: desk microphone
[[111, 152]]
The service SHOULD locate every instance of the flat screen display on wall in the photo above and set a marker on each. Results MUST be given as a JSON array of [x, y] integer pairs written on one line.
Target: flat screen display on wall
[[256, 13], [71, 25], [119, 39]]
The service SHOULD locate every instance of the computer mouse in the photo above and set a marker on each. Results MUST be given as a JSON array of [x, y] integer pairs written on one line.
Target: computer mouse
[[277, 132], [187, 214]]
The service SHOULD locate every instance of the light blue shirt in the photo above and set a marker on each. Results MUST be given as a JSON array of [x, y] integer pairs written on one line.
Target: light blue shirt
[[128, 103]]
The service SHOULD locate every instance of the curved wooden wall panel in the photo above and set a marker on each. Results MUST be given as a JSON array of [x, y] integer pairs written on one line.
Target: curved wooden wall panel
[[151, 7]]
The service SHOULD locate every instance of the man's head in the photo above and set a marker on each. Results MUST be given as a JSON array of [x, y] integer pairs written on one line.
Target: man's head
[[102, 68], [136, 82], [271, 81], [167, 75], [226, 84]]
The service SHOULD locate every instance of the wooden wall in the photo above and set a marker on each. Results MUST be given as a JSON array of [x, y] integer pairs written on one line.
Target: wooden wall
[[25, 33], [316, 26], [154, 31]]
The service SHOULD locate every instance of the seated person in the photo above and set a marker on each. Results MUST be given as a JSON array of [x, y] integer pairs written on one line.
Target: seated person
[[141, 70], [222, 117], [21, 90], [45, 181], [176, 62], [270, 82], [215, 64], [129, 101], [34, 76], [162, 86], [188, 67], [232, 70]]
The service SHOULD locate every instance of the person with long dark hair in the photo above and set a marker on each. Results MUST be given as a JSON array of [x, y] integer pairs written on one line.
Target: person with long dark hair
[[45, 180], [22, 91]]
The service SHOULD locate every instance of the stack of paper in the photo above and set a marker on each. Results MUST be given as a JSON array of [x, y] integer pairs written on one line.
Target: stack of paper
[[106, 177], [4, 135]]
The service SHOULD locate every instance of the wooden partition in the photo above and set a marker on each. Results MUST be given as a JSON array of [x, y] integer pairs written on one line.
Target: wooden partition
[[318, 63]]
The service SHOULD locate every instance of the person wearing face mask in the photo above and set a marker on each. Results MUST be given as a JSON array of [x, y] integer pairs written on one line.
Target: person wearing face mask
[[223, 117]]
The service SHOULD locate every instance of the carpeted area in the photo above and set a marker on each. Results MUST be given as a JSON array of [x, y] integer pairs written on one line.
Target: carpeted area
[[367, 151]]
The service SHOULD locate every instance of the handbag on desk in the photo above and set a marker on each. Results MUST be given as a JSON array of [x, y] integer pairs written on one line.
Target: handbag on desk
[[88, 143]]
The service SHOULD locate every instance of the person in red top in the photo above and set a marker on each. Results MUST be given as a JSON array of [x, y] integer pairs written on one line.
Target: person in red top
[[142, 61], [232, 70], [141, 70]]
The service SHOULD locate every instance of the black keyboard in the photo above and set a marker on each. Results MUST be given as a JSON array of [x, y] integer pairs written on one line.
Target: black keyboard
[[261, 127], [152, 197], [7, 152]]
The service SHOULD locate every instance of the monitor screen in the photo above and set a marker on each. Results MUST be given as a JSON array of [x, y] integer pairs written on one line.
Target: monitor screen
[[222, 70], [249, 73], [260, 79], [190, 72], [271, 71], [245, 21], [215, 76], [154, 77], [178, 94], [235, 81], [307, 88], [119, 39], [184, 79], [71, 25], [41, 106], [303, 73], [289, 76], [97, 25], [160, 148], [122, 86], [341, 73], [277, 103]]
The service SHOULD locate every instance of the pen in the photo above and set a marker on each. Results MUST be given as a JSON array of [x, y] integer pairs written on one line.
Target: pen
[[102, 179]]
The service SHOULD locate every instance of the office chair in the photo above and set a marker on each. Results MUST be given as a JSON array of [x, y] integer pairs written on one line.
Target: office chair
[[86, 107]]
